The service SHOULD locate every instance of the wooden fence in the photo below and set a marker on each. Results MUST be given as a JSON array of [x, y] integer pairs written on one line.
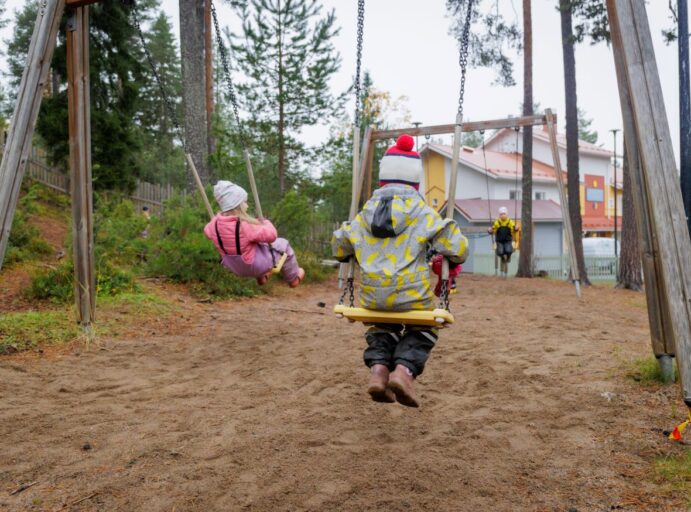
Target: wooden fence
[[146, 194]]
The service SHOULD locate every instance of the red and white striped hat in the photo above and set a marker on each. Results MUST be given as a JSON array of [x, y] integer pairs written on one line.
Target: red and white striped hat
[[400, 164]]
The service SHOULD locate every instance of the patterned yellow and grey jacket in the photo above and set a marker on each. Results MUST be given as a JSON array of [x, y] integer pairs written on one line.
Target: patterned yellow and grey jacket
[[389, 239]]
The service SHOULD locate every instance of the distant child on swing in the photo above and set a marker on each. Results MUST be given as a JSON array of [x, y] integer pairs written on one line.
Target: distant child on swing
[[249, 247], [504, 229], [389, 239]]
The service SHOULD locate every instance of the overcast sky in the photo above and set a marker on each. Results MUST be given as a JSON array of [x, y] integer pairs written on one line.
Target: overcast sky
[[409, 52]]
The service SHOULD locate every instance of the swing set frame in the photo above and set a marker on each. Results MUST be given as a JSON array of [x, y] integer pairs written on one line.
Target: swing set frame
[[665, 241]]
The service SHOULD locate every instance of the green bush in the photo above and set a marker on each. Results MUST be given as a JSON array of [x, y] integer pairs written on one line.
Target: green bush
[[118, 231], [292, 217], [57, 284], [177, 249], [25, 241]]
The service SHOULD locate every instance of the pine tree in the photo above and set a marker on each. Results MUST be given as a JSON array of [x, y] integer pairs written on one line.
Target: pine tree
[[162, 156], [287, 54], [525, 260], [192, 48], [492, 38], [117, 74], [572, 133], [378, 109], [630, 271], [3, 95], [584, 131]]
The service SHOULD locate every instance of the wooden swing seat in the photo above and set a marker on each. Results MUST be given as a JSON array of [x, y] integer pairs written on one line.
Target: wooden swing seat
[[279, 264], [435, 318]]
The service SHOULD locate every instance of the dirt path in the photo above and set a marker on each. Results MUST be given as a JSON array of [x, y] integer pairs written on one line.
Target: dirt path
[[261, 406]]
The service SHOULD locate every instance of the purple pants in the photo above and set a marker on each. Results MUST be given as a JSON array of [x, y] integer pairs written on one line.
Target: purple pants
[[264, 258]]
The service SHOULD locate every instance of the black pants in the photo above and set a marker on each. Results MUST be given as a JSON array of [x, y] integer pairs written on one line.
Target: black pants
[[392, 344], [505, 248]]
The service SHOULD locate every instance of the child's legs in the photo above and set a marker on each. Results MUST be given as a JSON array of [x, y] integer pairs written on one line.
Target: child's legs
[[290, 269], [508, 250], [381, 344], [414, 348]]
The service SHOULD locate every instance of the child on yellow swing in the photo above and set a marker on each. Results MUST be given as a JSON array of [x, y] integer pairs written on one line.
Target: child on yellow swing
[[504, 230], [389, 239], [249, 247]]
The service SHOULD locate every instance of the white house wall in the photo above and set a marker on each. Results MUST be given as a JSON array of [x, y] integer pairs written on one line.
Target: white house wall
[[589, 164], [471, 183]]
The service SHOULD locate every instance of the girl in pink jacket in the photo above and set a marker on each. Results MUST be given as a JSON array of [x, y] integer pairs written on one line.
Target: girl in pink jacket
[[249, 247]]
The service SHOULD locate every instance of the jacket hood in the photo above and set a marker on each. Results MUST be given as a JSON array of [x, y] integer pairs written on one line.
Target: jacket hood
[[391, 210]]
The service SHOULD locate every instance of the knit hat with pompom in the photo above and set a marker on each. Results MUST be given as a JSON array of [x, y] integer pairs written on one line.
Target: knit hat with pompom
[[400, 164]]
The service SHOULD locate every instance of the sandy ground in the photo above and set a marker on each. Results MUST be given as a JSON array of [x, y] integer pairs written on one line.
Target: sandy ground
[[260, 405]]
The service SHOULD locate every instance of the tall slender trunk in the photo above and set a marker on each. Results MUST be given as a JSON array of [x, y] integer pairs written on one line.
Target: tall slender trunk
[[208, 63], [684, 108], [629, 276], [281, 112], [194, 86], [572, 156], [525, 262]]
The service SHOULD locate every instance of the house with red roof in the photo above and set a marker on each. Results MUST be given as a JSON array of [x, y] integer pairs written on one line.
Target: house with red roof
[[495, 172]]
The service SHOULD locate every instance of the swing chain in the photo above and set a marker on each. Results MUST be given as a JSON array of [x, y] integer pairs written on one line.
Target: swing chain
[[360, 25], [170, 107], [444, 295], [226, 71], [349, 289], [463, 55]]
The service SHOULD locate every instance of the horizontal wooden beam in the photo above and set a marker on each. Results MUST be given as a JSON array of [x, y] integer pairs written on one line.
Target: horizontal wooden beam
[[80, 3], [494, 124]]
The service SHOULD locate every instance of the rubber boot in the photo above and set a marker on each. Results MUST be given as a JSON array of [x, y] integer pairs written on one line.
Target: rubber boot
[[296, 282], [401, 383], [378, 380]]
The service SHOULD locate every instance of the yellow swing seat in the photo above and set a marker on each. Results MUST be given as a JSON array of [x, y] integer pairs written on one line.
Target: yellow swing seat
[[435, 318], [279, 264]]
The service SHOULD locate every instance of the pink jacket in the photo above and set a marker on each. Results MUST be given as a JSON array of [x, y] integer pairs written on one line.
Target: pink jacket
[[249, 236]]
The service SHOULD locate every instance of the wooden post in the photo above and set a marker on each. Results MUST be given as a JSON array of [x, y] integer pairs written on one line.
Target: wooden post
[[453, 180], [658, 315], [658, 171], [79, 110], [200, 185], [28, 103], [253, 185], [370, 168], [568, 228]]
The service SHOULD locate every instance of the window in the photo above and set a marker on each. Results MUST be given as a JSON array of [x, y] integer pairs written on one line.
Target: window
[[595, 195], [435, 202], [515, 194], [540, 196]]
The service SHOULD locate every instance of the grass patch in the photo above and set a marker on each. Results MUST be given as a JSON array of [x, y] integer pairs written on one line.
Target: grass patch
[[115, 314], [646, 370], [675, 474], [26, 330]]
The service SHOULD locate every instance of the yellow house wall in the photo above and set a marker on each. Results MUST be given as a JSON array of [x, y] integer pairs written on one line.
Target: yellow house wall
[[581, 190], [435, 182]]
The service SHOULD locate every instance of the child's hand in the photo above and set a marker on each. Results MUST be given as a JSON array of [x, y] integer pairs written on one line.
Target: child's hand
[[454, 268]]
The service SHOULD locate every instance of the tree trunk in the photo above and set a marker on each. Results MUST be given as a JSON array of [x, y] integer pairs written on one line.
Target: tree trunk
[[194, 85], [281, 112], [684, 109], [525, 262], [572, 156], [629, 276], [209, 63]]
